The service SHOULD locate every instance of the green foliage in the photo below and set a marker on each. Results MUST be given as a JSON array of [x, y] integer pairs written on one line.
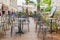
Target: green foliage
[[38, 3], [47, 22], [31, 2], [47, 2], [27, 1], [47, 9], [20, 13]]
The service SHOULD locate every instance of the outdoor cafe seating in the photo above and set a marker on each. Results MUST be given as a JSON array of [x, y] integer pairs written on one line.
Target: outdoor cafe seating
[[42, 23], [4, 23], [57, 23], [21, 21], [51, 18], [26, 21]]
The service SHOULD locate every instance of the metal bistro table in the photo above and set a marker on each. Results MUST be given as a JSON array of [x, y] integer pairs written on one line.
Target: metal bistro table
[[51, 30], [20, 21]]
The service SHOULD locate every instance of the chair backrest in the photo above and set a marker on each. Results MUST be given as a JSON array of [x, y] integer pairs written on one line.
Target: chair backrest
[[24, 15], [53, 10]]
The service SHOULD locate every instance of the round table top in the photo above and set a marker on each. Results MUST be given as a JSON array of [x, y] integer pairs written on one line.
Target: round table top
[[52, 18], [21, 18], [44, 27]]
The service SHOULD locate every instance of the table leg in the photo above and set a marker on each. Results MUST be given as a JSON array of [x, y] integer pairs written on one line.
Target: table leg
[[51, 27], [19, 28]]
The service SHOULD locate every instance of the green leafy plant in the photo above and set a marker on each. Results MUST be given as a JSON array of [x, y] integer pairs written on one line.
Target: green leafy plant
[[48, 2], [47, 9]]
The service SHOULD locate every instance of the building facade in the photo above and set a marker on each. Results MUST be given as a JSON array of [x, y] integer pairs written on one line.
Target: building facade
[[0, 4], [13, 5]]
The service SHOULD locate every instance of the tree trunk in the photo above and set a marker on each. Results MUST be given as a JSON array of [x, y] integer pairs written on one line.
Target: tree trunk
[[27, 7], [38, 6], [38, 10], [27, 10]]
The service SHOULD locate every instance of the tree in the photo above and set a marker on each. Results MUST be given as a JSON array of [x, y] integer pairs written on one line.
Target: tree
[[38, 6], [48, 7], [27, 2]]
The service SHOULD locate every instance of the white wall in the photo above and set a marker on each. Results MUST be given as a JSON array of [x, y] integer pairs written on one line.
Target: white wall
[[57, 2]]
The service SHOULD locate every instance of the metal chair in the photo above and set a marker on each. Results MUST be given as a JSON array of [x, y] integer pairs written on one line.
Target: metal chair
[[26, 21], [13, 24], [51, 17], [57, 23], [42, 30], [3, 23], [37, 18]]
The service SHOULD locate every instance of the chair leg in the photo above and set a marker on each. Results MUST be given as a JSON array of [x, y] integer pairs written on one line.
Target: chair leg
[[38, 31], [36, 28], [22, 26], [11, 30], [28, 27], [3, 28], [56, 29]]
